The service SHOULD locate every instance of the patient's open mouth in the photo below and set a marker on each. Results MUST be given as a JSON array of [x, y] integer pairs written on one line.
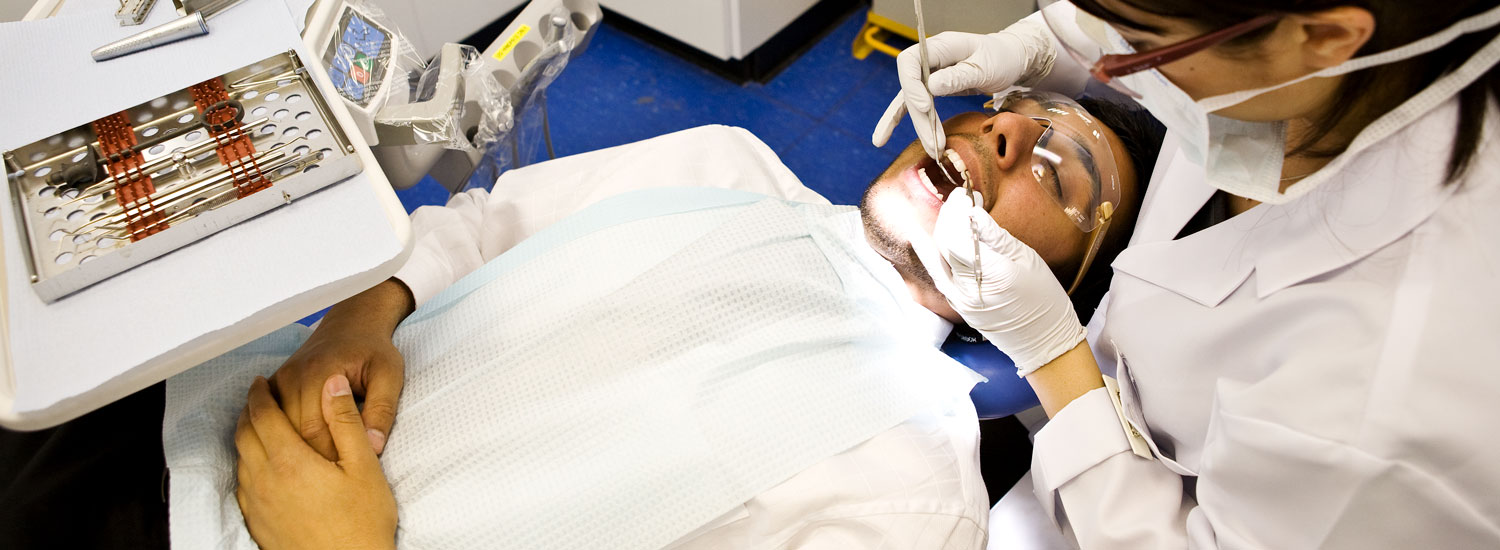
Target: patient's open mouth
[[932, 176]]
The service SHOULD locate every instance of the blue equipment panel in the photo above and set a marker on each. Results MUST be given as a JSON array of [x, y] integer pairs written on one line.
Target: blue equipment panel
[[358, 56]]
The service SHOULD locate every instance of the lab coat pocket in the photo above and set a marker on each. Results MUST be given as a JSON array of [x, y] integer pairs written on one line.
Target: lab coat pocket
[[1130, 412]]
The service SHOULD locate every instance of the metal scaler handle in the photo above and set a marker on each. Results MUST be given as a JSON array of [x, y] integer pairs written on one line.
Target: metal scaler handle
[[978, 271], [968, 185], [182, 28], [937, 128]]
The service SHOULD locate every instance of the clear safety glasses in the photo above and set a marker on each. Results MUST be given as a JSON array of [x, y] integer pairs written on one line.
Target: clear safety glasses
[[1096, 45], [1073, 163]]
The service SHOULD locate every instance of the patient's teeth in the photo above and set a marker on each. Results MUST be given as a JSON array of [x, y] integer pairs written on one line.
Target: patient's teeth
[[928, 182], [957, 161], [963, 171]]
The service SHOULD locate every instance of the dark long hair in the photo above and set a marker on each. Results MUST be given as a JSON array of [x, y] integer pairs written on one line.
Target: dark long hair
[[1373, 91], [1142, 136]]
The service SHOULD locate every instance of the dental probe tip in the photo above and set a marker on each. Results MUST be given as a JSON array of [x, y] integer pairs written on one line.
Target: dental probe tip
[[944, 170], [963, 172]]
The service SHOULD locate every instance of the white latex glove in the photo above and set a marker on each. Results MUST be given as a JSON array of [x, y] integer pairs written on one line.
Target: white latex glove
[[1020, 307], [965, 63]]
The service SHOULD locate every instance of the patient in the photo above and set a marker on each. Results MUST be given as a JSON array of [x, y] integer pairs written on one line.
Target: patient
[[306, 483], [355, 341]]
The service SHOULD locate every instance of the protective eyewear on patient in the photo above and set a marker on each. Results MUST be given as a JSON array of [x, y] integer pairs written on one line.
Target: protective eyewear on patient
[[1073, 162], [1108, 55]]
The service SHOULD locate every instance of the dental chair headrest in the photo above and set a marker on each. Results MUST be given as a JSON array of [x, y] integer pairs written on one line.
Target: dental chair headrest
[[1005, 393]]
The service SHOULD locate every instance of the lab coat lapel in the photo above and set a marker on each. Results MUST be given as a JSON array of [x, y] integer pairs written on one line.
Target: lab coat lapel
[[1173, 196], [1204, 267], [1192, 267]]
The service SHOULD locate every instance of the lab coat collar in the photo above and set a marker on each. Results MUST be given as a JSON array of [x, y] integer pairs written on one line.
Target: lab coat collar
[[1380, 196], [1172, 198]]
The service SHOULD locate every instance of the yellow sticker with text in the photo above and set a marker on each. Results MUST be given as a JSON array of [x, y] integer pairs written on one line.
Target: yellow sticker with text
[[510, 43]]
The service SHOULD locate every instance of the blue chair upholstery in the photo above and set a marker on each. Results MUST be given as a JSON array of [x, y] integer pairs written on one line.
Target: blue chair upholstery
[[1005, 394]]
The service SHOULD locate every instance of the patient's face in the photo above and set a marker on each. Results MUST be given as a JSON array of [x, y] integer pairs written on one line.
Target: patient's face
[[997, 151]]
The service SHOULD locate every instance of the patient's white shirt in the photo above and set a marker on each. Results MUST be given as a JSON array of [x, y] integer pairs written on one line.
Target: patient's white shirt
[[916, 485]]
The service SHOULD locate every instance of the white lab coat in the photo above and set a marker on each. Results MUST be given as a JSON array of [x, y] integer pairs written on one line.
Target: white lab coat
[[1318, 374]]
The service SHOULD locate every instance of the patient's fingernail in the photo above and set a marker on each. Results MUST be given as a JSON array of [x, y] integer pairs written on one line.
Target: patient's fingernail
[[338, 385], [377, 440]]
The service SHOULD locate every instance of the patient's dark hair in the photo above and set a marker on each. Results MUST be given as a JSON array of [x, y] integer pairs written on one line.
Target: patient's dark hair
[[1142, 136]]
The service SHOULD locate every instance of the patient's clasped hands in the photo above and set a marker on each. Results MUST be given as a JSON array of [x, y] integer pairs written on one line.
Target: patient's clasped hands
[[354, 339], [309, 473], [374, 370], [292, 497]]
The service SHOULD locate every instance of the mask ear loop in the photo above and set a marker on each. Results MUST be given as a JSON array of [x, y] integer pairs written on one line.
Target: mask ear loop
[[1106, 211]]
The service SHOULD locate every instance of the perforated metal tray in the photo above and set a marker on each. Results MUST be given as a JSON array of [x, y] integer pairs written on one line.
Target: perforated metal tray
[[71, 215]]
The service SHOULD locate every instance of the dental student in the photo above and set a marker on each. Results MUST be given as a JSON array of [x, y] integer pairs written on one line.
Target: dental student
[[1303, 328]]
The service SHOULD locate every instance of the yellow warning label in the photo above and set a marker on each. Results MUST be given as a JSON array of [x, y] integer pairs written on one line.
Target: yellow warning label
[[510, 43]]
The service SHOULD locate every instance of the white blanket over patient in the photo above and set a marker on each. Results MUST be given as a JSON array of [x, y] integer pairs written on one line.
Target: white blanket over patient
[[616, 381]]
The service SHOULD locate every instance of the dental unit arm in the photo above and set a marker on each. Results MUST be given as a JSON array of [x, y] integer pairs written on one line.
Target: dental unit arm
[[460, 122]]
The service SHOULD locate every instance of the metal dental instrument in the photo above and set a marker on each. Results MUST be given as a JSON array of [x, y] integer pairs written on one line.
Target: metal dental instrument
[[963, 172], [937, 130], [187, 26], [218, 184], [107, 184]]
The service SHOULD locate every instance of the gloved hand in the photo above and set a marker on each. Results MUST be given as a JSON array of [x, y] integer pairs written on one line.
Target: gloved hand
[[965, 63], [1019, 306]]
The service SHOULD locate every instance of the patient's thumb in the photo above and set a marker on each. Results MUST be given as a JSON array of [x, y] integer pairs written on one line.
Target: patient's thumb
[[344, 422]]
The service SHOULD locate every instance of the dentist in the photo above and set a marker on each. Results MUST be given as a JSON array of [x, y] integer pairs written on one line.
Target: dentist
[[1302, 333]]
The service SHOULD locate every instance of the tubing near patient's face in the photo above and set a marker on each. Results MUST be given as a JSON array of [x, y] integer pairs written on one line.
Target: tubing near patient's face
[[1002, 155]]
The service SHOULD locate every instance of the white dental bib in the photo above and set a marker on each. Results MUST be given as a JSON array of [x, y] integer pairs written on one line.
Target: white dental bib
[[733, 342]]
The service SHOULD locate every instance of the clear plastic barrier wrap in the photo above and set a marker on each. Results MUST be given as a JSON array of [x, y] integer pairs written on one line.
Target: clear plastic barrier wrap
[[520, 141]]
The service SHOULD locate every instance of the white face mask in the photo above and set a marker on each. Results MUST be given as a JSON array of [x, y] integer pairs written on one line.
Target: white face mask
[[1244, 158]]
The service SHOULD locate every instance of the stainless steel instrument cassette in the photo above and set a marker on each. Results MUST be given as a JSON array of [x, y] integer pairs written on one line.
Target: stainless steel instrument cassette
[[98, 199]]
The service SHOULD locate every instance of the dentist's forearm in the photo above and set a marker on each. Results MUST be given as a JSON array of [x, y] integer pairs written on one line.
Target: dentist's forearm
[[1066, 378]]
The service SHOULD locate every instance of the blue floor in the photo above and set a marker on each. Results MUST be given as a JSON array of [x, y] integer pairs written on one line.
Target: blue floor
[[817, 114]]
